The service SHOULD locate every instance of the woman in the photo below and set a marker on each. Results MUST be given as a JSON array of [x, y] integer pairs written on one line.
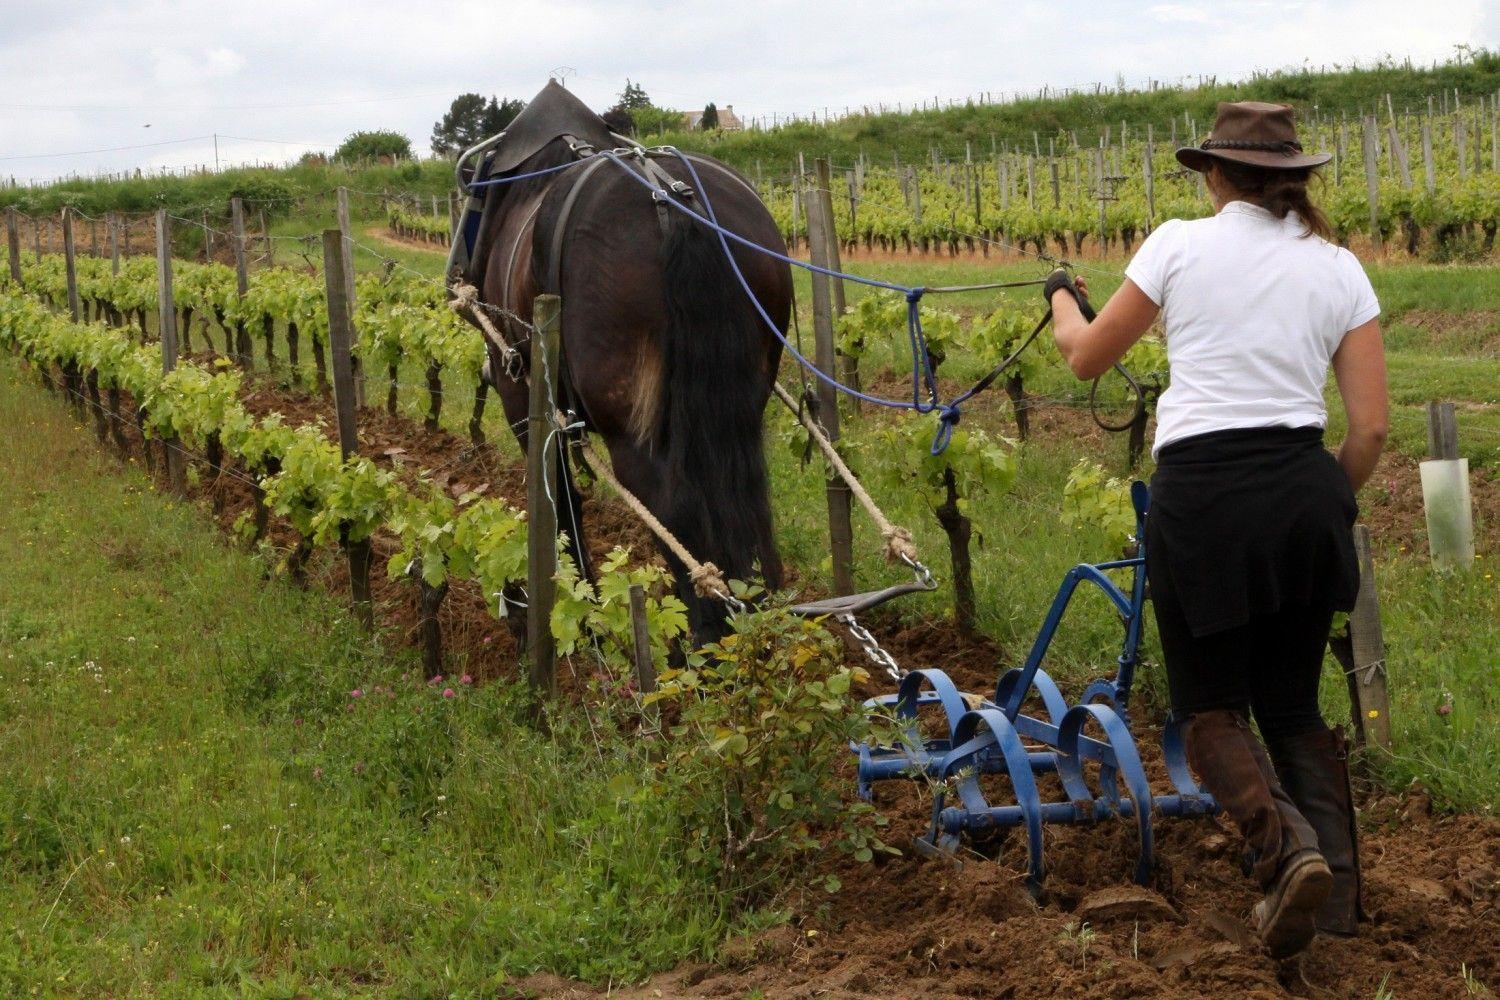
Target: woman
[[1248, 548]]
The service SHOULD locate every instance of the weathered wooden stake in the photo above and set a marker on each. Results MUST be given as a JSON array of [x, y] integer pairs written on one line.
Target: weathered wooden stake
[[1372, 181], [13, 244], [340, 342], [1362, 654], [1442, 431], [242, 280], [840, 528], [166, 319], [348, 270], [70, 265], [112, 225], [541, 511], [1428, 171]]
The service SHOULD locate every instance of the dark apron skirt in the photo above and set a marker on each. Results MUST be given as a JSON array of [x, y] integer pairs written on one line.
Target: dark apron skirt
[[1244, 522]]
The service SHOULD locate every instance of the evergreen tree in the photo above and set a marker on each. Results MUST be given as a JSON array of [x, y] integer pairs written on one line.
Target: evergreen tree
[[632, 98], [710, 119]]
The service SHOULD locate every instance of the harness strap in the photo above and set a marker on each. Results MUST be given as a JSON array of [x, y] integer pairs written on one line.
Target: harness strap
[[560, 228]]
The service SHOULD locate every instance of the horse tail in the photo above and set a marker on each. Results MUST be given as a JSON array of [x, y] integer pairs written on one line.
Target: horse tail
[[713, 390]]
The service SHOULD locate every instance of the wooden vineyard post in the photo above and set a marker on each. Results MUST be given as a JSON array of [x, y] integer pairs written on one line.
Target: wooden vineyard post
[[541, 512], [13, 244], [242, 280], [453, 216], [340, 342], [166, 319], [1148, 175], [848, 366], [70, 265], [1362, 654], [840, 527], [645, 670], [1429, 175], [112, 227], [72, 377], [348, 272], [1052, 170], [1103, 197], [1372, 180]]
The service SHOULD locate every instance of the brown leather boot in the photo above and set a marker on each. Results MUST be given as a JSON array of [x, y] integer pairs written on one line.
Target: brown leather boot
[[1314, 770], [1234, 768]]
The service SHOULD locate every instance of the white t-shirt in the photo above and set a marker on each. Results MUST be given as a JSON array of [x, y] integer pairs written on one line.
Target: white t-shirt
[[1253, 311]]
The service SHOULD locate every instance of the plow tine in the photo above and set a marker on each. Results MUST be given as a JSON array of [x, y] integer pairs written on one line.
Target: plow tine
[[1126, 763], [1003, 735], [947, 692]]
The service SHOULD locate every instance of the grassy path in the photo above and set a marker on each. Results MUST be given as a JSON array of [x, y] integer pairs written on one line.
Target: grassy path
[[193, 802]]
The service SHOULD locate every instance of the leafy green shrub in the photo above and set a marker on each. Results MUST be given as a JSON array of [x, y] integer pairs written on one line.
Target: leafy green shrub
[[372, 146], [763, 716]]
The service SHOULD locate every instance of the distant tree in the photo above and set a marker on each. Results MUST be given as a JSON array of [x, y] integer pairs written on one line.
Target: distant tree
[[373, 146], [633, 97], [470, 119], [710, 119]]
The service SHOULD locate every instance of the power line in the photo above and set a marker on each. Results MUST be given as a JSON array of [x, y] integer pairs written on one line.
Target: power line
[[106, 149], [218, 107], [165, 142]]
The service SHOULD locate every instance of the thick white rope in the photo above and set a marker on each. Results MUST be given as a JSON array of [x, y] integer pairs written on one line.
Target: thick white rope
[[708, 579], [899, 546]]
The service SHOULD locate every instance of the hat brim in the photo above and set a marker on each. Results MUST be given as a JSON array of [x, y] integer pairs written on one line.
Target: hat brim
[[1198, 159]]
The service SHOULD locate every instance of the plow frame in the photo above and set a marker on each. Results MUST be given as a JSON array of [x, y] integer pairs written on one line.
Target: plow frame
[[987, 736]]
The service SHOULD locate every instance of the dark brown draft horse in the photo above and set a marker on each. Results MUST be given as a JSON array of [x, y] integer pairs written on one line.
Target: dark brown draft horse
[[664, 355]]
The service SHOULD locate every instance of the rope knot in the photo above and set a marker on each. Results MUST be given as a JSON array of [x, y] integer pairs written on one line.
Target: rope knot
[[464, 297], [899, 547], [708, 581], [914, 295], [948, 417]]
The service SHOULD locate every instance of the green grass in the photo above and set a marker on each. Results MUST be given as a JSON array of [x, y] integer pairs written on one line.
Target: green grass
[[192, 803]]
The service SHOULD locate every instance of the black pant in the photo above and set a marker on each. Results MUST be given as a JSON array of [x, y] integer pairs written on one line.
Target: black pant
[[1269, 666]]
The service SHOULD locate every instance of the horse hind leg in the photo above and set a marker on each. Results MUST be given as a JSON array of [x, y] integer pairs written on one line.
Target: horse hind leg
[[569, 503]]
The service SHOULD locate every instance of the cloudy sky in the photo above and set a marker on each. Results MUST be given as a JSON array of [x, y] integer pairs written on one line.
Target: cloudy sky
[[273, 78]]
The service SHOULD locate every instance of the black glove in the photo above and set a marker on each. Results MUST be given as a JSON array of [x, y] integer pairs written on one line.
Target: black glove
[[1057, 280]]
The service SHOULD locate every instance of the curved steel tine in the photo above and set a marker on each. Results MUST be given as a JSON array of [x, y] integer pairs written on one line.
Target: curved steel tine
[[1127, 764], [1042, 683], [1018, 769], [948, 696]]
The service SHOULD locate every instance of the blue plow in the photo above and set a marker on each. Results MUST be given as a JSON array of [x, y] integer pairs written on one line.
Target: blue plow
[[993, 736]]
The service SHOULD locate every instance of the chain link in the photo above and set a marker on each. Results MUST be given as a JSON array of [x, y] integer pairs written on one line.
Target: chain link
[[873, 650]]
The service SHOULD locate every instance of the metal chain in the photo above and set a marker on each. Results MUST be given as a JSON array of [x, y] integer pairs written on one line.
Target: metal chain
[[872, 648]]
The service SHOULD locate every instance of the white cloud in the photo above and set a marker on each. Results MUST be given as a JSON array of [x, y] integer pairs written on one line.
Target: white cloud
[[178, 68]]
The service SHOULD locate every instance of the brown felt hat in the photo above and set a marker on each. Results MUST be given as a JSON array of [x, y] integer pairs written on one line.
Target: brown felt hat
[[1253, 133]]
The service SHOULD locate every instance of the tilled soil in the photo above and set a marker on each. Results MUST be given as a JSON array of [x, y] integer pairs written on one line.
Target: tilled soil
[[905, 926], [909, 927]]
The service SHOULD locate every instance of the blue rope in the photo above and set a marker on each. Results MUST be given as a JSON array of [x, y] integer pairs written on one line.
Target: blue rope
[[525, 177]]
